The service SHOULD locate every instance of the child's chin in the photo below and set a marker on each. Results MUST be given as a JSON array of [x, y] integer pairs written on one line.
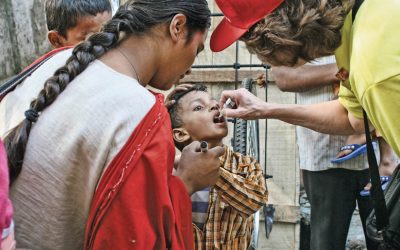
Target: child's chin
[[223, 135], [219, 137]]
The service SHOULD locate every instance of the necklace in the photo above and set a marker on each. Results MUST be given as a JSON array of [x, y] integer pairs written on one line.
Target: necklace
[[129, 61]]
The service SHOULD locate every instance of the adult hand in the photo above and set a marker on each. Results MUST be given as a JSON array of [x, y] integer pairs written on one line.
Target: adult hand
[[197, 169], [181, 87], [248, 106]]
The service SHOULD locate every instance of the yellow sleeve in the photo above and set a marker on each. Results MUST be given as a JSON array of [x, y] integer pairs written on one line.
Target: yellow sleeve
[[382, 104], [350, 102]]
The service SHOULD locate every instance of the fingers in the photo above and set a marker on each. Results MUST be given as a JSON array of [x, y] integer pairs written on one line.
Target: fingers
[[183, 87], [248, 106], [237, 96], [199, 169], [233, 113], [227, 94], [199, 147], [169, 104], [194, 146], [178, 88], [218, 151]]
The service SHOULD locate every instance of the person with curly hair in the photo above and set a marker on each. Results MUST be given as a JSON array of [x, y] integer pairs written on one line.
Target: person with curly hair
[[290, 33], [293, 32], [284, 33], [90, 148]]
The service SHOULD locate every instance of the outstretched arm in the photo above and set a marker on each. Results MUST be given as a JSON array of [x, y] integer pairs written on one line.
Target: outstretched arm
[[327, 117], [305, 77]]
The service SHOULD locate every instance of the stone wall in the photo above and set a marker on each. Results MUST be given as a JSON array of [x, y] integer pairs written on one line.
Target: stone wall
[[23, 34]]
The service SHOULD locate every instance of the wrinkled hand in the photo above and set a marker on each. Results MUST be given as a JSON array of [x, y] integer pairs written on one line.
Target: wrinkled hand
[[197, 169], [248, 106], [181, 87]]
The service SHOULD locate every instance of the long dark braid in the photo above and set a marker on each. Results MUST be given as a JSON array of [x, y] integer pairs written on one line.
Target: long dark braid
[[136, 17]]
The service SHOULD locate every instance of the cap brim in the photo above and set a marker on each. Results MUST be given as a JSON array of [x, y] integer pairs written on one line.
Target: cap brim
[[224, 35]]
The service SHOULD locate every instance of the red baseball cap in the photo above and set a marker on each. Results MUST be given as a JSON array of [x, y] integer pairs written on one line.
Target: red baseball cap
[[240, 15]]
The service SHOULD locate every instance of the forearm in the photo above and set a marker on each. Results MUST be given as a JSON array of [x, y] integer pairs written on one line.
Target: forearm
[[327, 117], [304, 78]]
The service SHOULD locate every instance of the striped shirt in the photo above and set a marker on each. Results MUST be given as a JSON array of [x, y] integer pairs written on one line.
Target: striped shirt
[[238, 194], [316, 150]]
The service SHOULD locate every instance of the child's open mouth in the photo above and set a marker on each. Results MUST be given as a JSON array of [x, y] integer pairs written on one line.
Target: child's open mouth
[[219, 118]]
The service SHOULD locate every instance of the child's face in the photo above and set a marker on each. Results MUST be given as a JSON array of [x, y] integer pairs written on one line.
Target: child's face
[[85, 27], [199, 111]]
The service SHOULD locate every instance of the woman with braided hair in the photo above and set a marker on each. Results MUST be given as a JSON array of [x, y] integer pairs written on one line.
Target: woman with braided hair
[[90, 148]]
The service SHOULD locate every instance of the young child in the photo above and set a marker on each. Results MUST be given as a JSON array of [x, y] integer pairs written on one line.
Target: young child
[[71, 21], [223, 214]]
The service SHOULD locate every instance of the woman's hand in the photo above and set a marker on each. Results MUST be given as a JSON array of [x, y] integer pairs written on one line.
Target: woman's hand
[[248, 106], [181, 87], [197, 169]]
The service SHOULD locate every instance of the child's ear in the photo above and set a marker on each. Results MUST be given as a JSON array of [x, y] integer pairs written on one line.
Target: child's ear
[[180, 135], [55, 39]]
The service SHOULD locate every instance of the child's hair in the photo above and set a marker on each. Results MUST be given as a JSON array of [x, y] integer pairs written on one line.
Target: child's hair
[[62, 15], [136, 17], [176, 109], [297, 29]]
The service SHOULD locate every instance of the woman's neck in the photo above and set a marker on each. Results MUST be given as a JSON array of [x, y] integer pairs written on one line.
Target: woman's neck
[[135, 57]]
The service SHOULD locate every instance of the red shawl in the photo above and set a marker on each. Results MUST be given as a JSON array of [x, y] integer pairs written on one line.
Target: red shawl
[[138, 203]]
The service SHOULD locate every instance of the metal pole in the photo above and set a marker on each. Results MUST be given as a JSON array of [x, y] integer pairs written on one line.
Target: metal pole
[[236, 65]]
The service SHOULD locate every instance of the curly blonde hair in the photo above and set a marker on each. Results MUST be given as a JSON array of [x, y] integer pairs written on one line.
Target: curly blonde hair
[[298, 29]]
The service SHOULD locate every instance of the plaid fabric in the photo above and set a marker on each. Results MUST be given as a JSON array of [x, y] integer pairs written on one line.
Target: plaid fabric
[[200, 207], [238, 194]]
